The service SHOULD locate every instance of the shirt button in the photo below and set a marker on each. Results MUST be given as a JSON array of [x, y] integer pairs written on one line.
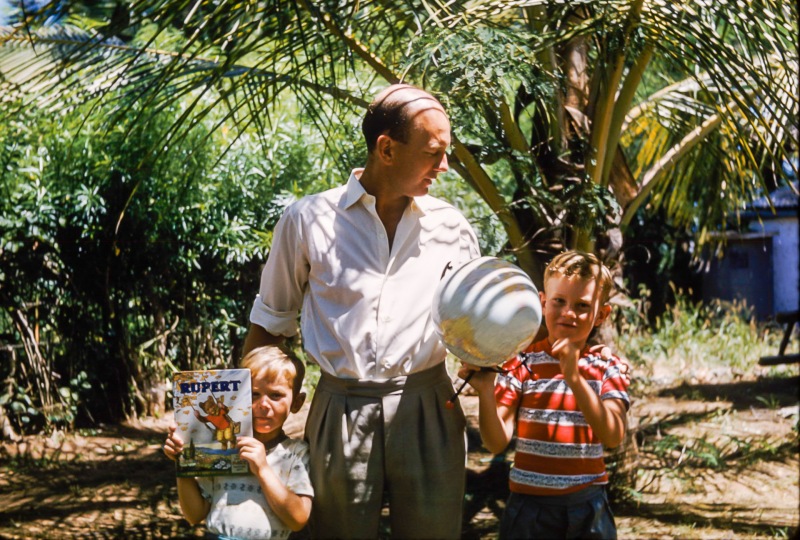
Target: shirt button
[[386, 364], [386, 318]]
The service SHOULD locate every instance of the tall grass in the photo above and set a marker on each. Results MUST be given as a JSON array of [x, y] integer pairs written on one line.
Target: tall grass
[[692, 336]]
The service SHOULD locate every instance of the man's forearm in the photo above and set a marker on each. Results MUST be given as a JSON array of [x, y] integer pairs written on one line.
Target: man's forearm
[[258, 337]]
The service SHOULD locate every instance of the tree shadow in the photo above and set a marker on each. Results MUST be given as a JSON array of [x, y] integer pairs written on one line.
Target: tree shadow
[[716, 516], [486, 490], [139, 484], [651, 425], [781, 391]]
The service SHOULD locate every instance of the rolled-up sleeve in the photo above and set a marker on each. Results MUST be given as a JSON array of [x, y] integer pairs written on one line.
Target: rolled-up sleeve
[[279, 323], [283, 279]]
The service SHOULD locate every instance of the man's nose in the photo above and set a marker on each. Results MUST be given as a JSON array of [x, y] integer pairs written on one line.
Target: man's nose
[[442, 167]]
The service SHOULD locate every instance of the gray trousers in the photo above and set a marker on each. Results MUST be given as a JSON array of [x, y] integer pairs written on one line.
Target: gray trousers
[[397, 436]]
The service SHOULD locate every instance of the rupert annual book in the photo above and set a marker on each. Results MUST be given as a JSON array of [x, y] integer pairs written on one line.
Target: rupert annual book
[[212, 408]]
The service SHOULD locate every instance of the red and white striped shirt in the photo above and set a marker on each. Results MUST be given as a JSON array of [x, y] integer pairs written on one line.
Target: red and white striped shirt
[[556, 452]]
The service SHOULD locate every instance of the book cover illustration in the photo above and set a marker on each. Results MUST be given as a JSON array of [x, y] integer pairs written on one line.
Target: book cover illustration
[[212, 408]]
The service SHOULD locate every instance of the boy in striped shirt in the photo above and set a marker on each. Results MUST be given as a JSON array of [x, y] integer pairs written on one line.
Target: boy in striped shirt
[[566, 403]]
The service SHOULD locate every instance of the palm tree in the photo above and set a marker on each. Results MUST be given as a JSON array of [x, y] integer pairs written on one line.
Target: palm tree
[[570, 118]]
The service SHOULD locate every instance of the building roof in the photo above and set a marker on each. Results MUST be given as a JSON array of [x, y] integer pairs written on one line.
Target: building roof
[[783, 197], [785, 201]]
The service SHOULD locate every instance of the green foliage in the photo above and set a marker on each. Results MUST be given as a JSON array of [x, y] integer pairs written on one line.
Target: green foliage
[[129, 259], [491, 236], [72, 397], [590, 207], [475, 69], [780, 532], [693, 453], [684, 456], [691, 335], [770, 401], [21, 408]]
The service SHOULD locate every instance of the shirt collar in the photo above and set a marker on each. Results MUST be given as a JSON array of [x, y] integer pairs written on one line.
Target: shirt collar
[[355, 191]]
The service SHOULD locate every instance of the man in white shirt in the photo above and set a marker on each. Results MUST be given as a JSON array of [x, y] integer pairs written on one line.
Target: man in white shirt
[[361, 263]]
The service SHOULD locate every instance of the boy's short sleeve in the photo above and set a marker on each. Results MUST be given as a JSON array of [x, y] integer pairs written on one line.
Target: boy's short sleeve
[[299, 481], [614, 385]]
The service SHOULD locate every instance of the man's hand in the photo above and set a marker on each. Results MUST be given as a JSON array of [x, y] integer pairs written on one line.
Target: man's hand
[[625, 368], [174, 444]]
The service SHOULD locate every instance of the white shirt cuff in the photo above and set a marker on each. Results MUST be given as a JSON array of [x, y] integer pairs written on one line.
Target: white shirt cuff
[[279, 323]]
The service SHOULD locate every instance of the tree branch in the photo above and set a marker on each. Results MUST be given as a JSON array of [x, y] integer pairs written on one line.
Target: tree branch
[[353, 44], [488, 190], [601, 116], [621, 108]]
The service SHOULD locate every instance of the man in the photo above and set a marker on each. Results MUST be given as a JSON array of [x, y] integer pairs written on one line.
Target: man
[[361, 263]]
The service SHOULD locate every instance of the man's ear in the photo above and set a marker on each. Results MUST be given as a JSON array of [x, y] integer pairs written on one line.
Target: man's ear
[[602, 314], [384, 148], [297, 402]]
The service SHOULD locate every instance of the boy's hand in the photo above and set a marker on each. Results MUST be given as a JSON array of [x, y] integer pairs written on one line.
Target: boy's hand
[[481, 380], [253, 452], [568, 354], [174, 444]]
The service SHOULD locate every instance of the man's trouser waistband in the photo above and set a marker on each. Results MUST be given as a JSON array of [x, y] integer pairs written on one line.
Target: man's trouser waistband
[[383, 387]]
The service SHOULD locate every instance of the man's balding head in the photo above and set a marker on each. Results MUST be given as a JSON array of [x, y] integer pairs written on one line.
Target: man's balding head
[[393, 110]]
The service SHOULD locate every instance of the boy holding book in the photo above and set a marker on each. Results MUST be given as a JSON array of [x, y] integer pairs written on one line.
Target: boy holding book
[[566, 403], [276, 499]]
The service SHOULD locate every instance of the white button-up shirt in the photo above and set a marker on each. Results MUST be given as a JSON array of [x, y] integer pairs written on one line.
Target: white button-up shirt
[[366, 309]]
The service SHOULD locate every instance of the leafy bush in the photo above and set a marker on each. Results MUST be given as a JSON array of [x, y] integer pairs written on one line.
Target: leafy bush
[[125, 255]]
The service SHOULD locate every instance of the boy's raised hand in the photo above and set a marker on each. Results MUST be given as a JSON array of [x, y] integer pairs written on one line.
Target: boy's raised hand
[[568, 354], [253, 452], [174, 444]]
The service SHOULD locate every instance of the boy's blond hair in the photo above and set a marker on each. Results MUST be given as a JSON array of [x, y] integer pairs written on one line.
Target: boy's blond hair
[[272, 362], [585, 266]]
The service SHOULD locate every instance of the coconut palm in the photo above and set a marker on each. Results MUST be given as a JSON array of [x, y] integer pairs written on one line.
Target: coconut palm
[[570, 118]]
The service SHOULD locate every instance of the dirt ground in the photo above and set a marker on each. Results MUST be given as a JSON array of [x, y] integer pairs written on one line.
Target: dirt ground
[[713, 457]]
